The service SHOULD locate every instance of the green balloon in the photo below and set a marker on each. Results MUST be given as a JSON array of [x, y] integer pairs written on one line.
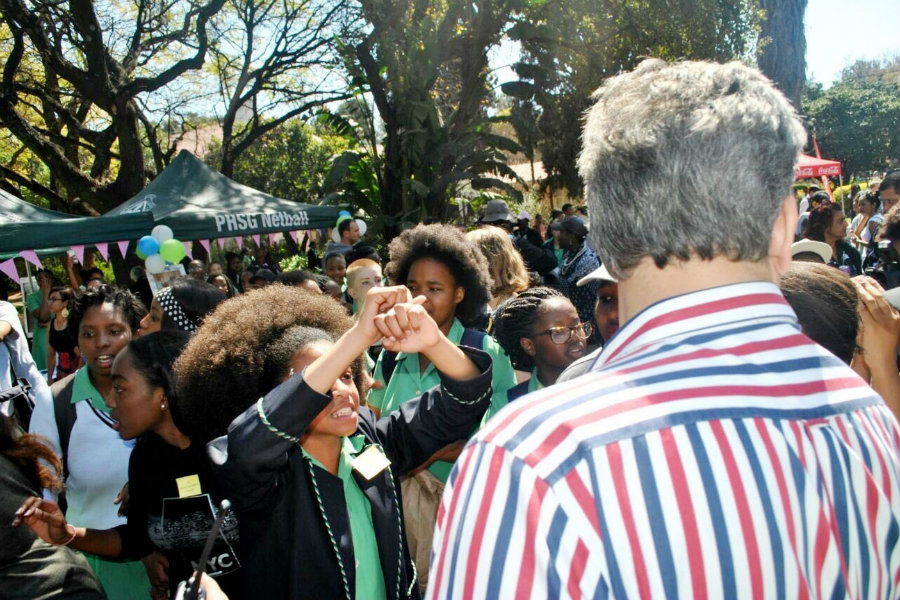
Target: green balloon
[[172, 250], [140, 254]]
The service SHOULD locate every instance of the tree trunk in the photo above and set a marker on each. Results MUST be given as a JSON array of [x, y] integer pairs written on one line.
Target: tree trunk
[[782, 46]]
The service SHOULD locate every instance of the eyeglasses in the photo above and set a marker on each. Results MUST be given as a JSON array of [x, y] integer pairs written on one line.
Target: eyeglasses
[[57, 299], [561, 335]]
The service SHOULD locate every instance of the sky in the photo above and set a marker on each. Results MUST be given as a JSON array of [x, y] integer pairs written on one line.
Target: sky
[[840, 32]]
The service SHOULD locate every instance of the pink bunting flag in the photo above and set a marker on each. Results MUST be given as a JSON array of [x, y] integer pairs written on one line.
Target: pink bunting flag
[[256, 238], [123, 247], [78, 249], [239, 241], [205, 244], [293, 235], [9, 267], [187, 250], [32, 257], [272, 239], [221, 243], [103, 249]]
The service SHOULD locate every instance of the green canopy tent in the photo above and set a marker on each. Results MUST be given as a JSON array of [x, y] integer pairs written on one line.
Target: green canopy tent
[[25, 227], [199, 203]]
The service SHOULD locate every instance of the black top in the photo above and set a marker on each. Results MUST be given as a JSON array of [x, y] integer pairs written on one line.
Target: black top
[[61, 340], [295, 529], [160, 519], [31, 569]]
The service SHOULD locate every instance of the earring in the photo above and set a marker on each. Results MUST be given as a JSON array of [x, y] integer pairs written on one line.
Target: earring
[[163, 406]]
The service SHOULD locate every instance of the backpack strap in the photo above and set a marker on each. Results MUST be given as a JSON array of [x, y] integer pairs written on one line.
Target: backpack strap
[[388, 364], [473, 338], [65, 415]]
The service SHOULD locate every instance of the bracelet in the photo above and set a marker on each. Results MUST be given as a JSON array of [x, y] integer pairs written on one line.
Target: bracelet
[[71, 535]]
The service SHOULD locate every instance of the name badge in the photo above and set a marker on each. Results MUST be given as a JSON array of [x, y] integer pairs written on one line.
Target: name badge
[[371, 462], [188, 486]]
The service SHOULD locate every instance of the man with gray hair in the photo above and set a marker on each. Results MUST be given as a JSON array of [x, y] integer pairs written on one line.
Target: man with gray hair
[[712, 450]]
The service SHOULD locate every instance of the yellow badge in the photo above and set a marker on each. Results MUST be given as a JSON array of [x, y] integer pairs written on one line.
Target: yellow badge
[[188, 486], [371, 462]]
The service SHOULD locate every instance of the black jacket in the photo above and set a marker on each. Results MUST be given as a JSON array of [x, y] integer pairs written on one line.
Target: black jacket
[[294, 528]]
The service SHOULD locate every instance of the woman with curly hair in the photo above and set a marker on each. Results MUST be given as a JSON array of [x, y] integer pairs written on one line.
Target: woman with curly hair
[[504, 262], [826, 224], [78, 424], [311, 473], [438, 263], [540, 331]]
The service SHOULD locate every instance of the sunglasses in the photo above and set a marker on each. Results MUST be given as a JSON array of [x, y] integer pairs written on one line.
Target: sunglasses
[[562, 334]]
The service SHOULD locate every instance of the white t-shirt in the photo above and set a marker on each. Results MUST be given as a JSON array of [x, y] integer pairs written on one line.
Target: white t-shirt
[[15, 356]]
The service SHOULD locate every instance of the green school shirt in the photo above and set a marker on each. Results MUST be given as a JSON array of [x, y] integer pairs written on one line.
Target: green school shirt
[[40, 332], [369, 575], [83, 389], [498, 401], [407, 382]]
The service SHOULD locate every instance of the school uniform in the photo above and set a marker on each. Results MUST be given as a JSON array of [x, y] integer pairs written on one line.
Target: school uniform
[[309, 534]]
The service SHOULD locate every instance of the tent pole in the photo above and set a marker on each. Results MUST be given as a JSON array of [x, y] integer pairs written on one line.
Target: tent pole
[[27, 319], [843, 196]]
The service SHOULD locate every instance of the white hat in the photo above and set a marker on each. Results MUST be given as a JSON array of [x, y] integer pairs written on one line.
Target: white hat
[[600, 274], [523, 215], [807, 245]]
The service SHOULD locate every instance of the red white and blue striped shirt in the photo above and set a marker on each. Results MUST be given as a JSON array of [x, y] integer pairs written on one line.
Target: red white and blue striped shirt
[[712, 451]]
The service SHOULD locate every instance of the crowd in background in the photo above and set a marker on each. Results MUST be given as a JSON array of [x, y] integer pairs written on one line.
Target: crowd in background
[[329, 405]]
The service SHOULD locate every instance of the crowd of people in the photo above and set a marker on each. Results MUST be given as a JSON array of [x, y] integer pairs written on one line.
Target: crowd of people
[[627, 399]]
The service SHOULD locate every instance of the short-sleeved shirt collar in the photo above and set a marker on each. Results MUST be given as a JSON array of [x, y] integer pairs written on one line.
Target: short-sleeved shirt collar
[[83, 389]]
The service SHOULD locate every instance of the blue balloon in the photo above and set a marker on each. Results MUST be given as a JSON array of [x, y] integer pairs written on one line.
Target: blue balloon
[[148, 245], [344, 212]]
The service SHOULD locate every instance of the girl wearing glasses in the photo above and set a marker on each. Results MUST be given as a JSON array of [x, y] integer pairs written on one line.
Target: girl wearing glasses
[[62, 359], [542, 333]]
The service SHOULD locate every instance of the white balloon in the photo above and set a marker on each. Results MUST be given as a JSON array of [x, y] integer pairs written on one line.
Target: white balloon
[[162, 233], [336, 235], [363, 228], [155, 264]]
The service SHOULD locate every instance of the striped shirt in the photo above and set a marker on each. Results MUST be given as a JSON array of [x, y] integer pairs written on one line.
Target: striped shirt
[[712, 451]]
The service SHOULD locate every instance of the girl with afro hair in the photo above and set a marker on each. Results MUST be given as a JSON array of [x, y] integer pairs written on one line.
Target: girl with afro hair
[[540, 331], [437, 263], [311, 473]]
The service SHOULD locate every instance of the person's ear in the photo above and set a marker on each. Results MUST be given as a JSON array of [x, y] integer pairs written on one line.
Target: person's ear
[[459, 294], [527, 345], [779, 258]]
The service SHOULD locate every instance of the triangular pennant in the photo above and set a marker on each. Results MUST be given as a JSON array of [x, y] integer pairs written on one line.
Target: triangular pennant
[[239, 241], [103, 249], [205, 244], [293, 235], [187, 250], [32, 257], [271, 239], [256, 238], [221, 243], [9, 267], [78, 249], [123, 247]]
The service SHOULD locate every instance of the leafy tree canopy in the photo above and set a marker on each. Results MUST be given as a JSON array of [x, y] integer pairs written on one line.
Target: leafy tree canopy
[[855, 120]]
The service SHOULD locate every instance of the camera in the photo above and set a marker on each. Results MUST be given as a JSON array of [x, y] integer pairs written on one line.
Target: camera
[[887, 271]]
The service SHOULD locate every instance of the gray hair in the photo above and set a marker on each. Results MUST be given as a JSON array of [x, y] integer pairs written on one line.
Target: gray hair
[[687, 159]]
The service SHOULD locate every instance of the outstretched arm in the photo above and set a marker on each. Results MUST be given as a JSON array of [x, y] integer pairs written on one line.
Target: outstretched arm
[[47, 521]]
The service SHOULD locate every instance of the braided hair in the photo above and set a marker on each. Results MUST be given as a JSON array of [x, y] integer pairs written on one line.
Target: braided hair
[[514, 320]]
